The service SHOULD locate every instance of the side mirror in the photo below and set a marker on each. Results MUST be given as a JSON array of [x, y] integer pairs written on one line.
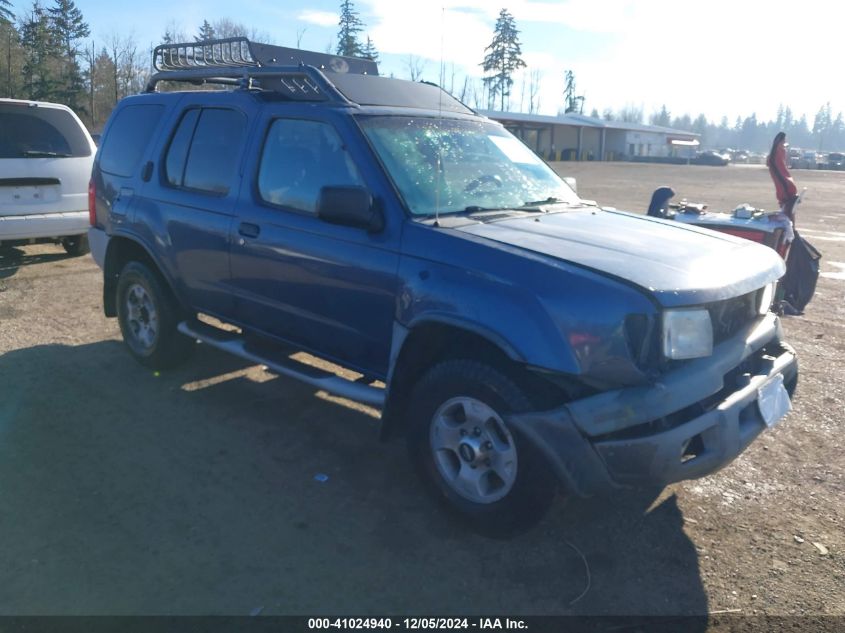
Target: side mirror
[[349, 206], [569, 180]]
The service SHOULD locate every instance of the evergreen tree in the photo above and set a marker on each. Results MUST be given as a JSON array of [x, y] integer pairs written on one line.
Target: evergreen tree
[[788, 120], [69, 29], [206, 32], [504, 57], [569, 98], [702, 127], [662, 118], [350, 25], [836, 135], [369, 51], [821, 125], [682, 123], [68, 25], [6, 14], [41, 54], [11, 61]]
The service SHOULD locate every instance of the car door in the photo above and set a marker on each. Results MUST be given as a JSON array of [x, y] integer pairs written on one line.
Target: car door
[[330, 289], [189, 210]]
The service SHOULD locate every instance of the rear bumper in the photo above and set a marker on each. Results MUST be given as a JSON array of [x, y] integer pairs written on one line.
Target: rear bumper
[[704, 430], [98, 242], [43, 225]]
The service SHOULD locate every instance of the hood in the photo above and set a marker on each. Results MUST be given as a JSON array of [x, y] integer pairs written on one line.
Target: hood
[[679, 264]]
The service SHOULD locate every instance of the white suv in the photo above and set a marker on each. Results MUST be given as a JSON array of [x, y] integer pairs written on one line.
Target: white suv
[[46, 156]]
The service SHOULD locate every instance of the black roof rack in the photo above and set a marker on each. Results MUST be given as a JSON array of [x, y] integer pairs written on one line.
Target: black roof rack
[[240, 62], [293, 74]]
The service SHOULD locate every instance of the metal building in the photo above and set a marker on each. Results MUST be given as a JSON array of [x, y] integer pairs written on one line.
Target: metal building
[[580, 137]]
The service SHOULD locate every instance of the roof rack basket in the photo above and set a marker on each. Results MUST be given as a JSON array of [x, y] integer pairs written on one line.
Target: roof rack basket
[[227, 53], [238, 61]]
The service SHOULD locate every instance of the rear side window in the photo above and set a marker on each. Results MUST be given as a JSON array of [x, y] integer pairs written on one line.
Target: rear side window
[[28, 131], [129, 135], [203, 154], [299, 158]]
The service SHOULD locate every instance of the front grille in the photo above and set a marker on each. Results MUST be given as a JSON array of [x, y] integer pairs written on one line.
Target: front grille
[[730, 315]]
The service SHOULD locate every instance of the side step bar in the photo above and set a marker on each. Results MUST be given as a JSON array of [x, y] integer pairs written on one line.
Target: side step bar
[[279, 363]]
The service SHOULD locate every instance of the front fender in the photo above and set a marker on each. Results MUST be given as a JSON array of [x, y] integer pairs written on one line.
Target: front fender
[[506, 314]]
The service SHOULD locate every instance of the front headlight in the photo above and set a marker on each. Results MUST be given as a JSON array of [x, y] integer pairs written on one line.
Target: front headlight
[[767, 295], [687, 333]]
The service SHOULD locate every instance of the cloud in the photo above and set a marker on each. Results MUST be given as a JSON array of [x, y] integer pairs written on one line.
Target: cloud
[[723, 57], [320, 18]]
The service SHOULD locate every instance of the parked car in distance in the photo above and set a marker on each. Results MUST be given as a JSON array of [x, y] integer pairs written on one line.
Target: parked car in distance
[[809, 160], [520, 339], [711, 157], [739, 156], [835, 160], [46, 156], [794, 157]]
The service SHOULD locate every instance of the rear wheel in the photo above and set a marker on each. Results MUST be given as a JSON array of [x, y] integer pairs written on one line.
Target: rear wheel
[[470, 457], [76, 245], [148, 317]]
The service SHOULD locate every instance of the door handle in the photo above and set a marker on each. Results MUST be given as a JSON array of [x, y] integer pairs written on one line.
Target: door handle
[[249, 230]]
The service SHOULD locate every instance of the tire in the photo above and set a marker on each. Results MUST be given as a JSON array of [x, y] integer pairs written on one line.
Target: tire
[[76, 245], [148, 316], [469, 458]]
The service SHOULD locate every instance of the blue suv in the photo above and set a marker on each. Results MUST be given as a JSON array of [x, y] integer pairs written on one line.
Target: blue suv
[[522, 340]]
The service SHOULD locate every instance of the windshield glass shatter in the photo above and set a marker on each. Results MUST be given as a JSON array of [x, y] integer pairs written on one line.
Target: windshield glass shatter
[[450, 166]]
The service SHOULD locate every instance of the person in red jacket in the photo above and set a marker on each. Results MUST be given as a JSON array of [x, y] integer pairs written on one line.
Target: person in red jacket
[[785, 188]]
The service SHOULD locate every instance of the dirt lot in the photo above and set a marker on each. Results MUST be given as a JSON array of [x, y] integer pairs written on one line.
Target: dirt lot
[[198, 491]]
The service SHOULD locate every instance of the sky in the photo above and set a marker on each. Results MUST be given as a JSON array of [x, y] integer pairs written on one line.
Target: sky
[[716, 57]]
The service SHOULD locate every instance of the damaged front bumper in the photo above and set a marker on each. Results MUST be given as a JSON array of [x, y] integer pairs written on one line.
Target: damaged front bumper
[[693, 421]]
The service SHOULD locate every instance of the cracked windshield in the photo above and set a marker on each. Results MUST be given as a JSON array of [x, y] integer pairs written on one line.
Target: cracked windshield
[[453, 166]]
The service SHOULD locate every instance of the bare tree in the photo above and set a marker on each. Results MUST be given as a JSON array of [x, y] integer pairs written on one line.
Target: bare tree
[[416, 67], [226, 27], [299, 34], [631, 113], [133, 70], [465, 90], [534, 91], [114, 46], [174, 33]]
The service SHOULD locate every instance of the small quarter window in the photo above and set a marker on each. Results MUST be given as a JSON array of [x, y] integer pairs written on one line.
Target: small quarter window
[[129, 136]]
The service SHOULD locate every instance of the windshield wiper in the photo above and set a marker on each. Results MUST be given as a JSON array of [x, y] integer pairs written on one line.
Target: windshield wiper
[[476, 209], [43, 153], [550, 200]]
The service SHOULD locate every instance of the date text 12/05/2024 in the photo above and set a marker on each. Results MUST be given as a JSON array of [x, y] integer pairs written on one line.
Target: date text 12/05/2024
[[412, 624]]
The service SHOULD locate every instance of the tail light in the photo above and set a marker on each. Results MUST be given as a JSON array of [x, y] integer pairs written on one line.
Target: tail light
[[92, 203]]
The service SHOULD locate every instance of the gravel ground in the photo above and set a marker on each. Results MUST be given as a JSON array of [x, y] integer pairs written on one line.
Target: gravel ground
[[199, 490]]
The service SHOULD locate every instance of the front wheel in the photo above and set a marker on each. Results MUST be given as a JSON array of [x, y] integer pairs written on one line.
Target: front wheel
[[148, 317], [467, 453]]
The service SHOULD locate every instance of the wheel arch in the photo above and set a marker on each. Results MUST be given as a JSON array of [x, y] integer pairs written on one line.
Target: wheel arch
[[436, 339], [120, 251]]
